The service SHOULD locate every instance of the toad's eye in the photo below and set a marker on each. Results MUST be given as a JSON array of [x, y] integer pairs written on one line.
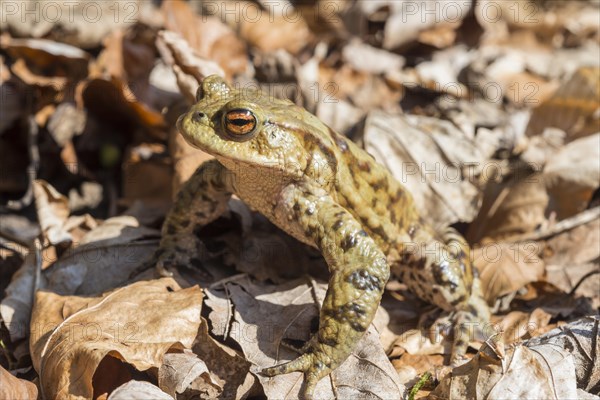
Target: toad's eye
[[240, 124]]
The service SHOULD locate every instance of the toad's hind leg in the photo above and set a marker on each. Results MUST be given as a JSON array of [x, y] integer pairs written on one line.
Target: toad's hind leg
[[439, 271], [358, 273], [471, 317]]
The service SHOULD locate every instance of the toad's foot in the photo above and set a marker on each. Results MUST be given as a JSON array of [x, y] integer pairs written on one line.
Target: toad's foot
[[469, 322], [183, 250], [316, 363]]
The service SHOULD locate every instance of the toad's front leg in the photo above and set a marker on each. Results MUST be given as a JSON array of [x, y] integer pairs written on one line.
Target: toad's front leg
[[202, 199], [358, 269]]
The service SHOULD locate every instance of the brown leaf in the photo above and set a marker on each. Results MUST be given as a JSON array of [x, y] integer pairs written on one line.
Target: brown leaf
[[510, 208], [52, 211], [518, 325], [263, 315], [227, 367], [522, 373], [78, 24], [280, 26], [420, 362], [114, 100], [180, 371], [418, 343], [52, 85], [438, 36], [147, 174], [134, 390], [262, 253], [74, 336], [572, 175], [104, 259], [506, 267], [15, 388], [366, 58], [573, 108], [578, 339], [186, 159], [53, 58], [572, 241], [405, 19], [364, 90], [432, 158], [573, 254], [190, 69], [16, 306], [208, 36], [126, 60], [66, 122], [525, 89]]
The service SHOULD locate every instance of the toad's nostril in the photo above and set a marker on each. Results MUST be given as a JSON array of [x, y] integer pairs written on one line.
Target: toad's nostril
[[197, 116]]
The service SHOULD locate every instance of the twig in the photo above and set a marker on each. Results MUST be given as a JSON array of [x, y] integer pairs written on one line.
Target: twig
[[564, 225], [583, 278]]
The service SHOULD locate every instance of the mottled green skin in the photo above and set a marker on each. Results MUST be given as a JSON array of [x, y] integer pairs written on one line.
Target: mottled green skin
[[325, 191]]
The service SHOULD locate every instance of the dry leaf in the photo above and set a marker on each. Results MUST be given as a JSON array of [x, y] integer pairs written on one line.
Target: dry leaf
[[579, 339], [572, 175], [138, 390], [522, 373], [278, 26], [479, 119], [227, 367], [440, 75], [263, 315], [115, 101], [52, 211], [366, 58], [66, 122], [513, 207], [186, 158], [574, 108], [432, 158], [78, 24], [105, 258], [54, 58], [405, 19], [540, 148], [15, 388], [420, 363], [143, 161], [438, 36], [418, 342], [180, 371], [518, 325], [128, 62], [74, 336], [16, 306], [364, 90], [506, 267], [262, 254], [573, 254], [190, 69], [208, 36], [340, 115]]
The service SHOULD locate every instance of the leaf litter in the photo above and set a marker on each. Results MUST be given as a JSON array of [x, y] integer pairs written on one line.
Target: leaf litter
[[492, 124]]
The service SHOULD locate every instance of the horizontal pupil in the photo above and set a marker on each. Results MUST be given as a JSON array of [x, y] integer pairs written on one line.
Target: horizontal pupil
[[240, 122]]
